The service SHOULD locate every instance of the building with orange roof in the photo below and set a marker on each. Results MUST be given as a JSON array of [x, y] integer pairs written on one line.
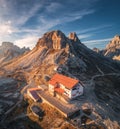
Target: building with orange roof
[[61, 84]]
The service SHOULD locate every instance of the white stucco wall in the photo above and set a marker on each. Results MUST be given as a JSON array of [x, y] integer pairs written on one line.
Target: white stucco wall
[[67, 92], [62, 86], [77, 92], [51, 88]]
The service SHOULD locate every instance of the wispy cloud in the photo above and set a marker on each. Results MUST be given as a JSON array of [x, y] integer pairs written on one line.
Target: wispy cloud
[[98, 40], [83, 36], [27, 41], [42, 15], [18, 12], [93, 29], [6, 28], [53, 7], [87, 35], [100, 43]]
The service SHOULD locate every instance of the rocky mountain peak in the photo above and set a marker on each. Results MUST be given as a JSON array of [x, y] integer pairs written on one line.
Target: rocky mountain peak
[[96, 50], [53, 40], [7, 44], [112, 49], [117, 37], [8, 51], [114, 43], [73, 37]]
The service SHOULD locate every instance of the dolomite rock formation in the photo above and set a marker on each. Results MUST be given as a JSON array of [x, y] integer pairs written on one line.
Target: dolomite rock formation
[[114, 44], [112, 49], [73, 37], [55, 49], [53, 40], [9, 51]]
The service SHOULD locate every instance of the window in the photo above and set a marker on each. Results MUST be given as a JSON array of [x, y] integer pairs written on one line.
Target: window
[[66, 93], [75, 88]]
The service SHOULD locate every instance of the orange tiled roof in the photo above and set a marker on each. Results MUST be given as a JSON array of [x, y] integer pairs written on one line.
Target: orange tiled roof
[[52, 82], [59, 90], [35, 88], [66, 81]]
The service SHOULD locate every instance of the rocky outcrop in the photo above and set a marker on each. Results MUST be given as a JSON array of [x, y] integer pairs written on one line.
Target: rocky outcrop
[[115, 43], [55, 49], [96, 50], [113, 48], [53, 40], [116, 57], [73, 37], [8, 51]]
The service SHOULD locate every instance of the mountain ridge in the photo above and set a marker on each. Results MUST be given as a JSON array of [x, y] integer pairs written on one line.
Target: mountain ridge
[[54, 48], [112, 49], [8, 51]]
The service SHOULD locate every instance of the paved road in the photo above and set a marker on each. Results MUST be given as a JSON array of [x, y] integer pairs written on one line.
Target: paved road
[[52, 100]]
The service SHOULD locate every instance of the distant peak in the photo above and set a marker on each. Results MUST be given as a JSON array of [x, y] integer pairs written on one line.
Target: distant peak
[[7, 44], [117, 37], [114, 43], [73, 36]]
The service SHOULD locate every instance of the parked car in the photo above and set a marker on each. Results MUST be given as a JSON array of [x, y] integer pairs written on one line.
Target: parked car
[[37, 111]]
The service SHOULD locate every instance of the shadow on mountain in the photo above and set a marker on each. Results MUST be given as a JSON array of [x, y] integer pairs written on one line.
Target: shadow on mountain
[[23, 124], [19, 119], [108, 93]]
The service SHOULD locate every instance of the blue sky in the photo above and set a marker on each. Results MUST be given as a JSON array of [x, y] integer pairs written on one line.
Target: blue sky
[[96, 22]]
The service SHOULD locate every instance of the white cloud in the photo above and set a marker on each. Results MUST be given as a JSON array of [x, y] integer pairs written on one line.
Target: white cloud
[[53, 7], [27, 41], [18, 14], [50, 15], [93, 29], [28, 14], [75, 15], [100, 43], [97, 41], [83, 36], [6, 28]]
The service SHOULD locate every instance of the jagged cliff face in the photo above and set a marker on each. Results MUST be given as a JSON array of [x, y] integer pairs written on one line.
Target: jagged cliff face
[[112, 49], [9, 51], [56, 51], [115, 43], [53, 40], [73, 37], [45, 52]]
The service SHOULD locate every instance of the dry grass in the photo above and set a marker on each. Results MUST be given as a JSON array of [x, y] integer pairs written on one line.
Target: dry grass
[[52, 118]]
